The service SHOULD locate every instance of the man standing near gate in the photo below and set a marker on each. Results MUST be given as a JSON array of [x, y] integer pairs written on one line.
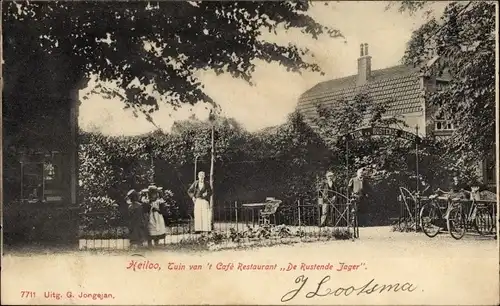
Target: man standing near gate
[[360, 189], [327, 197]]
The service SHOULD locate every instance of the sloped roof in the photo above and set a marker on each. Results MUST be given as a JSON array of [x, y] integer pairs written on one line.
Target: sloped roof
[[399, 87]]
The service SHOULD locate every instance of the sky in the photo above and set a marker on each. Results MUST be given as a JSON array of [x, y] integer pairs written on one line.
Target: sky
[[275, 92]]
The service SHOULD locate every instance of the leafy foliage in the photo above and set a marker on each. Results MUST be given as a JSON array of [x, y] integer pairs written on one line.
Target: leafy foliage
[[410, 6], [464, 38], [285, 162], [108, 169], [285, 165], [391, 162], [350, 115], [229, 137], [301, 154], [156, 45]]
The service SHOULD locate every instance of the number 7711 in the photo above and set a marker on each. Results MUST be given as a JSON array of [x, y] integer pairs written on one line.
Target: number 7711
[[27, 294]]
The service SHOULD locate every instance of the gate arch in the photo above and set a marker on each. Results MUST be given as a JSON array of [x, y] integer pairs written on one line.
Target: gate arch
[[380, 131]]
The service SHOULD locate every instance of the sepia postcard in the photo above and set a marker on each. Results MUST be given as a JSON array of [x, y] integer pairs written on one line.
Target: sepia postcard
[[249, 153]]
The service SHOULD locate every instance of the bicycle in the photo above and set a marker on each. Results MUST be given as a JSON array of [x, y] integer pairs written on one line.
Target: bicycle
[[409, 201], [433, 216], [410, 208], [479, 217]]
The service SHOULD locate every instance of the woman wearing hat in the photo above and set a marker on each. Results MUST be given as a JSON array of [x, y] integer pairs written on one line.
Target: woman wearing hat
[[200, 192], [156, 223], [137, 219]]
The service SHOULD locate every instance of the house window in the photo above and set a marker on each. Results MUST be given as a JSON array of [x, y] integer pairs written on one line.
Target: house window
[[443, 124], [42, 179], [441, 85], [32, 184]]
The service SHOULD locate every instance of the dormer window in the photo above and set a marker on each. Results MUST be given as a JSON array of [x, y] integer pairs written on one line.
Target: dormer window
[[442, 123], [441, 85]]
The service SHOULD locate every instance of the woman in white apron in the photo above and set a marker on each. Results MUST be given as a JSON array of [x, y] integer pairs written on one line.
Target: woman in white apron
[[156, 223], [200, 192]]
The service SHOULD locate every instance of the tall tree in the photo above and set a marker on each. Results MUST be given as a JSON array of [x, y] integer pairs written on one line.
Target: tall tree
[[157, 44], [464, 38]]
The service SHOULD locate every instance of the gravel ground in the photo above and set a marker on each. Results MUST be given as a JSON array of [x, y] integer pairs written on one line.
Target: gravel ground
[[378, 237], [445, 271]]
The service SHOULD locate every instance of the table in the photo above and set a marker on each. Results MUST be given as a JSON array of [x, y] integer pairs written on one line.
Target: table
[[252, 206]]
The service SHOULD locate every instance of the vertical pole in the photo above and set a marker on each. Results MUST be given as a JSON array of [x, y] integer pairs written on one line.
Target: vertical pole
[[236, 213], [351, 220], [298, 209], [418, 177], [195, 167], [319, 201], [73, 150], [22, 180], [347, 163], [152, 167], [416, 158], [43, 179], [212, 171], [318, 192]]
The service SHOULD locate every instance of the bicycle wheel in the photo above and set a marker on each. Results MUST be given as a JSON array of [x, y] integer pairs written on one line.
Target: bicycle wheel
[[429, 220], [483, 222], [456, 222]]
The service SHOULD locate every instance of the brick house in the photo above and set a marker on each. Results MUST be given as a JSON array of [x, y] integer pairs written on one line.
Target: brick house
[[401, 88]]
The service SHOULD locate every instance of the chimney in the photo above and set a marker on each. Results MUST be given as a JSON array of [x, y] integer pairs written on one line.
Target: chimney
[[364, 65]]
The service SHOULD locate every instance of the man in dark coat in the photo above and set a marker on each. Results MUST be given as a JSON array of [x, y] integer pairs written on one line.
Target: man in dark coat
[[328, 197], [360, 189], [456, 186]]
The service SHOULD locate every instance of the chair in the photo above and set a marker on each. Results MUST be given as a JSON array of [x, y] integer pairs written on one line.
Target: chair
[[269, 210]]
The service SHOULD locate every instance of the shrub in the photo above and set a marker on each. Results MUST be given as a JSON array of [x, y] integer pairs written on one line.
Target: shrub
[[100, 212], [287, 162]]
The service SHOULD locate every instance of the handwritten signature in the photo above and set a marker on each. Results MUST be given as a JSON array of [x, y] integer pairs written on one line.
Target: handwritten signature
[[322, 290]]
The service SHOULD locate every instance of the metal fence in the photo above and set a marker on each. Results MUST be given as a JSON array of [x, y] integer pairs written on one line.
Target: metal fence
[[233, 223]]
